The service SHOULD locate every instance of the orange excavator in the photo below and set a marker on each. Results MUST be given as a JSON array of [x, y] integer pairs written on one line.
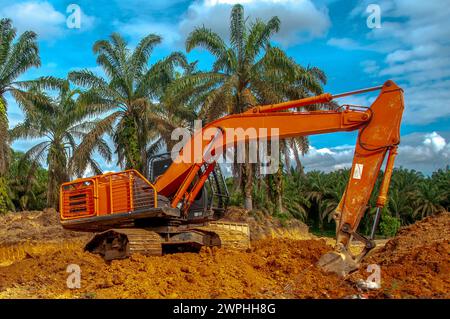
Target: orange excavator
[[182, 208]]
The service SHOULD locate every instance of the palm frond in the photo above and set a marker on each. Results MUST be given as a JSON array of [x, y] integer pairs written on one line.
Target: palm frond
[[141, 54], [35, 154], [23, 55], [206, 38], [237, 29], [44, 83]]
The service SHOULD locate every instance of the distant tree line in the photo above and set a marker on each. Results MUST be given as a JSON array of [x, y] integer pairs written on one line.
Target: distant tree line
[[312, 197]]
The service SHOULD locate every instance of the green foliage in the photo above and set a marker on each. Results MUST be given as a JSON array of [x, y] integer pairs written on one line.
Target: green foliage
[[3, 195], [129, 138], [130, 98], [248, 70], [313, 197], [27, 185], [294, 200], [59, 122], [17, 55], [389, 225]]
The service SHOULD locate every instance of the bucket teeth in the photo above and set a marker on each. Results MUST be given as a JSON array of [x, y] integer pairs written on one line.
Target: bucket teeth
[[340, 263]]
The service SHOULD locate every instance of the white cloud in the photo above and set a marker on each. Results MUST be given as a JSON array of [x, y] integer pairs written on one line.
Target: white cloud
[[301, 20], [137, 29], [425, 152], [370, 67], [143, 6], [42, 18], [328, 159], [345, 43], [436, 142], [415, 38]]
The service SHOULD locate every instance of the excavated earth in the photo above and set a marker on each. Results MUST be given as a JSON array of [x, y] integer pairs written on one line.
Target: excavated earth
[[35, 253]]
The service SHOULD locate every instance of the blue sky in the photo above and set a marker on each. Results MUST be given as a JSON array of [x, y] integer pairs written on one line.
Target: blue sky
[[412, 47]]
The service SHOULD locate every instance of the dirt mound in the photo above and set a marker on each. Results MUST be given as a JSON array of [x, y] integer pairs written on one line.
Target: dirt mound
[[266, 226], [33, 226], [430, 230], [271, 269], [416, 263]]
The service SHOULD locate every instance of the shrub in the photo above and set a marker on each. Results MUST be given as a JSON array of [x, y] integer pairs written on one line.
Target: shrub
[[389, 225]]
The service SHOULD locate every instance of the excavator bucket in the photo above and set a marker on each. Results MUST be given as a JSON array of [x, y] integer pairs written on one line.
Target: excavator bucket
[[340, 263]]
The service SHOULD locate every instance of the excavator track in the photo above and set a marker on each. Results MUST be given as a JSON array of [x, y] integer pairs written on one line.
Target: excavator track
[[237, 238], [122, 243]]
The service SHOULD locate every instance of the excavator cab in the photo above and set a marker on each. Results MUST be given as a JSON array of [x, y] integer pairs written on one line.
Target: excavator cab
[[213, 198]]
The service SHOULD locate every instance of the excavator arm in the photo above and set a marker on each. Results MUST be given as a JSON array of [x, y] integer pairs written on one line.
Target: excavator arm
[[378, 135]]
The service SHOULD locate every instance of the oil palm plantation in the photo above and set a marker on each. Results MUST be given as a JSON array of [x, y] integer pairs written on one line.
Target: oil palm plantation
[[127, 95], [402, 192], [17, 54], [240, 74], [27, 185], [319, 195], [428, 199], [58, 123], [294, 198]]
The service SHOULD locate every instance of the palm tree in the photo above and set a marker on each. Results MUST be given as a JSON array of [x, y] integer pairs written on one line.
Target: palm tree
[[237, 79], [128, 96], [59, 122], [400, 204], [428, 200], [404, 186], [294, 199], [27, 185], [441, 178], [337, 183], [317, 194], [15, 58]]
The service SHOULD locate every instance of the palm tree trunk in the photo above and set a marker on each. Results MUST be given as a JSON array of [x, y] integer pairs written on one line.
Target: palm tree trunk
[[51, 196], [130, 141], [279, 189], [4, 155], [4, 147], [275, 189], [287, 160], [248, 188], [237, 172], [299, 166], [321, 228], [248, 180]]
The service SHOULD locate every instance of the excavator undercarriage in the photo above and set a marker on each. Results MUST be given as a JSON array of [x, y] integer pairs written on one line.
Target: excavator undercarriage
[[121, 243]]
